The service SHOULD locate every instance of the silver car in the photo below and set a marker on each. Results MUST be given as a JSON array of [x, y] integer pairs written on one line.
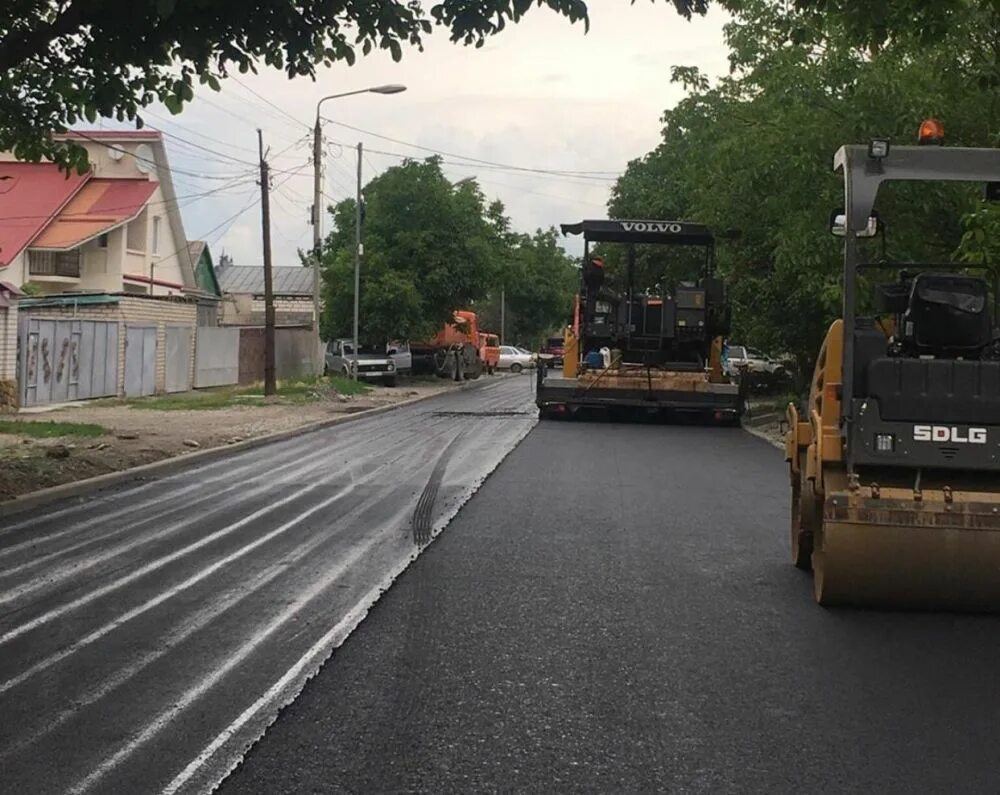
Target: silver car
[[515, 359], [372, 365]]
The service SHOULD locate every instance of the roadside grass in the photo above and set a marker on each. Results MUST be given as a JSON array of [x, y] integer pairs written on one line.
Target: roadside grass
[[299, 391], [50, 430]]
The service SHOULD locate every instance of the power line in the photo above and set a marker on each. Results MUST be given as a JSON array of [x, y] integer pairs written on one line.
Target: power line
[[268, 102], [250, 123], [595, 175], [164, 120], [474, 167], [372, 166], [152, 162], [232, 219]]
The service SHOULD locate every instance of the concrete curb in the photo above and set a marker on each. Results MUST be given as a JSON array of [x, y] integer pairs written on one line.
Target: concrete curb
[[761, 435], [93, 486], [757, 421]]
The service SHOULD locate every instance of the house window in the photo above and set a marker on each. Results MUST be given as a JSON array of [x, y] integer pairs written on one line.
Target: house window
[[102, 241], [156, 234], [54, 263]]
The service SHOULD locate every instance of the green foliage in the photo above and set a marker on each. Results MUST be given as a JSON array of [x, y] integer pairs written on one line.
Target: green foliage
[[539, 281], [430, 248], [63, 62], [753, 151]]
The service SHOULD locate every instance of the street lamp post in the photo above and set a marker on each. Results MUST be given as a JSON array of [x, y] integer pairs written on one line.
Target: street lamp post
[[317, 212]]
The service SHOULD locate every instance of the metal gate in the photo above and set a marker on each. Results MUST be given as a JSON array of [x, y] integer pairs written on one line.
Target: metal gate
[[62, 360], [140, 361], [178, 358]]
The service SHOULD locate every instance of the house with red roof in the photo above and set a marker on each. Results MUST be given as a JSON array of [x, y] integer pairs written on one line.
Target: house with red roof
[[106, 245], [114, 229]]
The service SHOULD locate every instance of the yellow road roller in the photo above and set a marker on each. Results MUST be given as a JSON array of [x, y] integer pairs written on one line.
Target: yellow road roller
[[895, 459]]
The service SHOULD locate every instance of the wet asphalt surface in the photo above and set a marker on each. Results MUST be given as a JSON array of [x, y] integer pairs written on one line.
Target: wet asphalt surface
[[614, 612], [149, 635]]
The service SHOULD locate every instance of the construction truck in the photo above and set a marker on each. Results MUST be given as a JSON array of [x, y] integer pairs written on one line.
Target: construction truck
[[895, 457], [489, 351], [644, 349], [454, 352]]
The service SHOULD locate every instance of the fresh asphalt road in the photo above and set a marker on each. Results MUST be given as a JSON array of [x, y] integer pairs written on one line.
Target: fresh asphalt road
[[148, 636], [614, 612]]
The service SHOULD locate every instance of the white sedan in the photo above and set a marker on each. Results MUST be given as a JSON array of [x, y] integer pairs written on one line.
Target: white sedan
[[515, 359]]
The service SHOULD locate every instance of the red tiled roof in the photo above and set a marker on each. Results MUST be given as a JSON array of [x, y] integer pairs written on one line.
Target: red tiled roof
[[31, 195], [101, 205]]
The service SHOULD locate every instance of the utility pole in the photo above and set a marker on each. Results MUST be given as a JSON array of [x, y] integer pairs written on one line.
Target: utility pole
[[317, 216], [503, 312], [357, 262], [318, 209], [265, 204]]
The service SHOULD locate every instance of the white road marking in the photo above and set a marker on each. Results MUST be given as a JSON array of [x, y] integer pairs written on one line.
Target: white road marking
[[74, 567], [194, 693], [165, 595], [198, 621], [325, 646], [159, 563]]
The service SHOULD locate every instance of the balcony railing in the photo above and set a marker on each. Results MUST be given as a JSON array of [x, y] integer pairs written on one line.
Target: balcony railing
[[54, 263]]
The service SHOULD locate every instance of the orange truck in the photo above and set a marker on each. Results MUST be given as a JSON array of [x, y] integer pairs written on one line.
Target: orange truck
[[454, 352]]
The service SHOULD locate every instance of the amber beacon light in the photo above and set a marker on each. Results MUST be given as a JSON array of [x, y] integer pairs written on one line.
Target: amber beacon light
[[931, 133]]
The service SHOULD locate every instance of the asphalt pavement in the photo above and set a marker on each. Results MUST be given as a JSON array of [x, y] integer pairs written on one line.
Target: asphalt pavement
[[614, 611], [149, 635]]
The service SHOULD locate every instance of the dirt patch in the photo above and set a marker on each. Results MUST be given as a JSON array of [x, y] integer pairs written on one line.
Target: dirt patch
[[136, 436]]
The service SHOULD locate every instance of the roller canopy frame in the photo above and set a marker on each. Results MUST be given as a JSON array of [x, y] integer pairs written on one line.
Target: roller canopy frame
[[863, 177]]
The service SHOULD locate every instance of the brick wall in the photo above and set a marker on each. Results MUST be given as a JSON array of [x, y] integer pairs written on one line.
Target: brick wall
[[8, 357], [146, 312], [286, 304], [137, 311], [8, 343]]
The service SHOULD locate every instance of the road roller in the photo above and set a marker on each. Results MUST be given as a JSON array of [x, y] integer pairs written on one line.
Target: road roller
[[894, 459]]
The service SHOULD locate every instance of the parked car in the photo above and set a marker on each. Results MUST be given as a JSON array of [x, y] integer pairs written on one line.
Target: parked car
[[515, 359], [373, 365], [742, 358], [400, 354]]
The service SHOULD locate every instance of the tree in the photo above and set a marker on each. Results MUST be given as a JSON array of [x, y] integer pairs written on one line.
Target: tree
[[62, 61], [539, 280], [430, 248], [753, 151]]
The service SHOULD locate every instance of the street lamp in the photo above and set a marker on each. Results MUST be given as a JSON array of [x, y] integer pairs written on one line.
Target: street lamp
[[317, 213]]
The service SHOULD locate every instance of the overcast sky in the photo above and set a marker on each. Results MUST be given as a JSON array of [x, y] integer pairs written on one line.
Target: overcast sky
[[542, 94]]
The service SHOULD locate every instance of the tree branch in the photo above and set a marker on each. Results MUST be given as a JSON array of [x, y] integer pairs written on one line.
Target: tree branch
[[14, 51]]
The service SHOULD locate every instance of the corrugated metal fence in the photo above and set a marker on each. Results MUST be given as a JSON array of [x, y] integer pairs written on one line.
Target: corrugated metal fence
[[64, 360]]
